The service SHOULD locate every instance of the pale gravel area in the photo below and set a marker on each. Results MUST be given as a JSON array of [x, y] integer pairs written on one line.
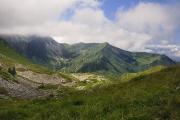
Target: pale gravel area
[[91, 80], [42, 78], [88, 76]]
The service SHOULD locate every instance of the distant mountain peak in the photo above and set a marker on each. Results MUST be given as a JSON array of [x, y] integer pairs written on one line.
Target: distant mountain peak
[[83, 57]]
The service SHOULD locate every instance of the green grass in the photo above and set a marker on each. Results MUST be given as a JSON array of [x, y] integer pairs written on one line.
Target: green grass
[[146, 97], [129, 76]]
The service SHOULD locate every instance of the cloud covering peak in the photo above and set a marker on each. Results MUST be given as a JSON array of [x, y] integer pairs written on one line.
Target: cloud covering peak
[[137, 28]]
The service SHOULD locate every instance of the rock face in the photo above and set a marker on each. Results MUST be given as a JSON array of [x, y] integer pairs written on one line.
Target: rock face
[[21, 90]]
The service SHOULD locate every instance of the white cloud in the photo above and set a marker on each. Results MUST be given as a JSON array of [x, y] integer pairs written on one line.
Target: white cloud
[[35, 12], [155, 19], [168, 49], [134, 29]]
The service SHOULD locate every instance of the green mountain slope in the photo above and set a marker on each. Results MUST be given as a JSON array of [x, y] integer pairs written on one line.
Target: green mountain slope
[[93, 57], [129, 76], [104, 57], [9, 57], [34, 73], [146, 97], [40, 50]]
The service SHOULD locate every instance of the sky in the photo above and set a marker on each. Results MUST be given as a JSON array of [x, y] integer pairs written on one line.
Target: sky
[[134, 25]]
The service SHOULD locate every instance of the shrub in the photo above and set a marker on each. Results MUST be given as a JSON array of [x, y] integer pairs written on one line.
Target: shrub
[[12, 71]]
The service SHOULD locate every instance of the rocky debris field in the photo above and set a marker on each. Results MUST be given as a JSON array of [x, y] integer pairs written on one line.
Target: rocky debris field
[[21, 90]]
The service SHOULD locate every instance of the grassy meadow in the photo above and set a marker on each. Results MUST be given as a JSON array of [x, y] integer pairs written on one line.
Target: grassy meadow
[[145, 97]]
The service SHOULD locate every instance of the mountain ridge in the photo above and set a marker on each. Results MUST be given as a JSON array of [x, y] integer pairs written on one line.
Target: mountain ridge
[[83, 57]]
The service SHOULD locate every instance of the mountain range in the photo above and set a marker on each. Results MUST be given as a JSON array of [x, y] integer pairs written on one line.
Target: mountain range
[[82, 57], [43, 79]]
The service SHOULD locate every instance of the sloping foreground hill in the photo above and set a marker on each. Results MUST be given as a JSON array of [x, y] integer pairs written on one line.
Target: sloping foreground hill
[[155, 96], [82, 57]]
